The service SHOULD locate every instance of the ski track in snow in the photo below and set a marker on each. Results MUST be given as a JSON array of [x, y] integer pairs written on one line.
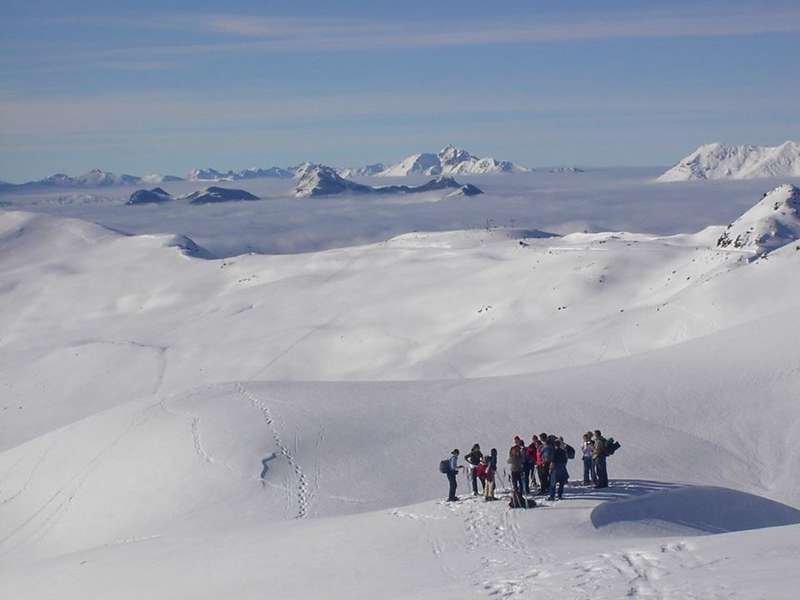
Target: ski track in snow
[[67, 492], [30, 477], [302, 492]]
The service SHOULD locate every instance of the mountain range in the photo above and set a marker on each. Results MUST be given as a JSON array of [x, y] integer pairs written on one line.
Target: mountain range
[[321, 180], [448, 161], [725, 161], [209, 195]]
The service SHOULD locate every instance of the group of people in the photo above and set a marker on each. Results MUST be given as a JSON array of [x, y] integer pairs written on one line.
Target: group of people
[[543, 459]]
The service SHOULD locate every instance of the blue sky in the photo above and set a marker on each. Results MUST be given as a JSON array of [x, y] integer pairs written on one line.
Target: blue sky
[[166, 86]]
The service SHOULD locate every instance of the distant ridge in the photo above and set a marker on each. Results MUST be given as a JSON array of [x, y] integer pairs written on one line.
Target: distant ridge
[[321, 180], [724, 161], [449, 161]]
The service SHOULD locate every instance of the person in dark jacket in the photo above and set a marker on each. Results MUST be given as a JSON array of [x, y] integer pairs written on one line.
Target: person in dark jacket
[[599, 459], [451, 475], [473, 460], [529, 467], [558, 470], [515, 461], [548, 447]]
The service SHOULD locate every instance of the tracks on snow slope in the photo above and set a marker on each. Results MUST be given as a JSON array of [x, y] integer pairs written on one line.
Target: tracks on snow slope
[[302, 491]]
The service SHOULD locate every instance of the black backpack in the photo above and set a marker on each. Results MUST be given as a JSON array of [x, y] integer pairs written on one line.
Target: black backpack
[[612, 446], [444, 466], [570, 452], [520, 501]]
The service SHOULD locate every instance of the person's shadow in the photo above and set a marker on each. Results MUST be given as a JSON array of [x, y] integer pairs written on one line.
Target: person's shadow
[[265, 465]]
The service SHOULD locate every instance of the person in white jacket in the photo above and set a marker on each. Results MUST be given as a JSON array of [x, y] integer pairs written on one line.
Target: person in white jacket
[[587, 448]]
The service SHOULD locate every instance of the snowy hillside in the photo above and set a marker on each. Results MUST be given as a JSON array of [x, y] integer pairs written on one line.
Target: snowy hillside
[[721, 161], [449, 161], [319, 180], [770, 224], [270, 425]]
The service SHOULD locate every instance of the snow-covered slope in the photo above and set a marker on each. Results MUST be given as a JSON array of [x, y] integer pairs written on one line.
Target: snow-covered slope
[[365, 171], [770, 224], [723, 161], [449, 161], [319, 180], [209, 174], [153, 196], [271, 425], [214, 194]]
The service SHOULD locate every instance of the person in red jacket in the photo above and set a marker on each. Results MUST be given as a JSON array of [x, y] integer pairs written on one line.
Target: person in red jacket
[[491, 469], [480, 473], [529, 476]]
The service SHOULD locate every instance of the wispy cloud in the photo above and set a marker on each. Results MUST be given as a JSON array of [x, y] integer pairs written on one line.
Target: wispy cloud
[[176, 112], [231, 33]]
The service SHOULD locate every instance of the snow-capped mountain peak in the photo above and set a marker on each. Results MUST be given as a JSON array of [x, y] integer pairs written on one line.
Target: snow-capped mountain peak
[[321, 180], [725, 161], [449, 160], [450, 155], [770, 224]]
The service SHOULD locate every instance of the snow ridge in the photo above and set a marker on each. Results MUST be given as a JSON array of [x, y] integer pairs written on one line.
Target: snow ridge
[[449, 161], [321, 180], [723, 161], [769, 225]]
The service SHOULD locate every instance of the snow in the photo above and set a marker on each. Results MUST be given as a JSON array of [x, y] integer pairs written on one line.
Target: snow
[[449, 161], [720, 161], [270, 425], [153, 196], [770, 224], [214, 194], [320, 180], [158, 178]]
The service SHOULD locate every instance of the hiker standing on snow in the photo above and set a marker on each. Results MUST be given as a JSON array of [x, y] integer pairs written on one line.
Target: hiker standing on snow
[[558, 470], [529, 467], [599, 459], [587, 447], [474, 459], [547, 459], [491, 469], [515, 461], [451, 475]]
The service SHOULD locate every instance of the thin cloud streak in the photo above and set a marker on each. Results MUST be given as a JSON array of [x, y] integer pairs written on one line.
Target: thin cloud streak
[[238, 33], [176, 112]]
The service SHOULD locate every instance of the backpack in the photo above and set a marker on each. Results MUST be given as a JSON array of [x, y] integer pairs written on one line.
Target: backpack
[[612, 446], [570, 452], [519, 501], [444, 466]]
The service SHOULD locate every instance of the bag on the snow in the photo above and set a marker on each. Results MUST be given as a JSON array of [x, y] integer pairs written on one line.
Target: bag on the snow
[[520, 501], [444, 466], [612, 446], [570, 452]]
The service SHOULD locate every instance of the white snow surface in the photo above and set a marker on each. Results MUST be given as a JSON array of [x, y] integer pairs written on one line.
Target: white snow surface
[[725, 161], [270, 425], [770, 224]]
